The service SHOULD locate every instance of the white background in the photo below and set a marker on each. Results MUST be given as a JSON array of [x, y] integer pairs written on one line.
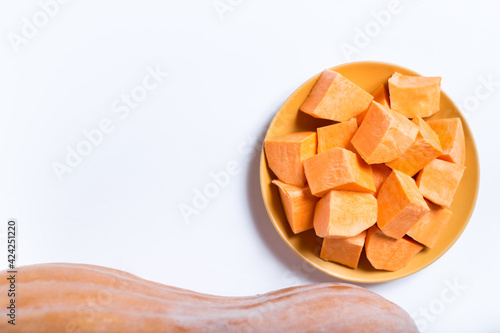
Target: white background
[[228, 75]]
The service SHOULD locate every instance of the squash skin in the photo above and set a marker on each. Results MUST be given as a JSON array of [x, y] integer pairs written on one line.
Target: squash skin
[[84, 298]]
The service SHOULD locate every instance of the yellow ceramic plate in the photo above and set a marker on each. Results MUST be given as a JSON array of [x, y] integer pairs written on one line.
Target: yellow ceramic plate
[[369, 76]]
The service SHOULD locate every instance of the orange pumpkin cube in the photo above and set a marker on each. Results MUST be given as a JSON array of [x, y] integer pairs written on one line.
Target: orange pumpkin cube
[[384, 135], [337, 136], [400, 205], [387, 253], [425, 148], [345, 251], [342, 214], [286, 153], [380, 174], [414, 95], [430, 227], [451, 136], [336, 98], [338, 169], [438, 181], [381, 95], [298, 204]]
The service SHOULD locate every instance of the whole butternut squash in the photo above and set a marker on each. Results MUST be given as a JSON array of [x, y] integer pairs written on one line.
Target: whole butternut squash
[[83, 298]]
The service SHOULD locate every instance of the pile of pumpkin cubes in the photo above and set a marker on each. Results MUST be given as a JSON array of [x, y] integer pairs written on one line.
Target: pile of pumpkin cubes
[[380, 177]]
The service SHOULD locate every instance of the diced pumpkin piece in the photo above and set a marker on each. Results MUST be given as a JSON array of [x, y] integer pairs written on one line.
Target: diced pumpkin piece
[[380, 174], [387, 253], [298, 204], [345, 251], [360, 117], [286, 153], [384, 135], [414, 95], [451, 135], [338, 169], [438, 181], [337, 136], [429, 229], [336, 98], [405, 252], [381, 95], [344, 214], [425, 148], [400, 205]]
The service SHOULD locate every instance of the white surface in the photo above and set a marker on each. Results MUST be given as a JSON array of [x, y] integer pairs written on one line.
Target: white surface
[[227, 78]]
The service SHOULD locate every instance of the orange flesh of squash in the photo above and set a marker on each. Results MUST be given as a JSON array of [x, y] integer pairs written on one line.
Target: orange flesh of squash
[[299, 204], [380, 174], [425, 148], [451, 136], [387, 253], [337, 136], [381, 95], [370, 199], [400, 205], [414, 95], [438, 181], [344, 214], [430, 227], [405, 252], [286, 153], [338, 169], [384, 135], [336, 98], [344, 251]]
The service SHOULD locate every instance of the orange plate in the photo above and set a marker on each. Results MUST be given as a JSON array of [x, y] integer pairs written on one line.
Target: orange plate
[[368, 75]]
